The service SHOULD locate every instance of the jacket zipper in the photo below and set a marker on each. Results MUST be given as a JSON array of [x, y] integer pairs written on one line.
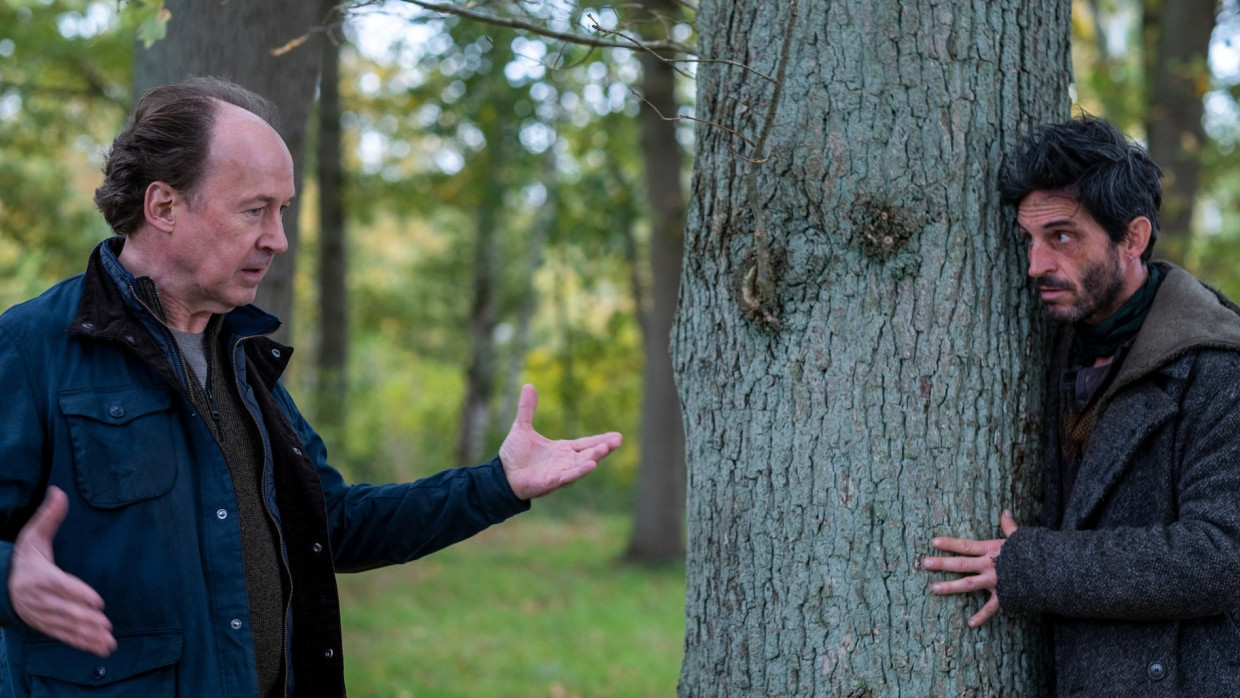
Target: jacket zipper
[[288, 574], [215, 415]]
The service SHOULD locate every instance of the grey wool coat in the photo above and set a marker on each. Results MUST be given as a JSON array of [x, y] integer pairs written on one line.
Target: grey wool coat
[[1138, 573]]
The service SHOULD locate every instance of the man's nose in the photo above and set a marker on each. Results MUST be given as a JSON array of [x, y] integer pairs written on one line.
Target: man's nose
[[274, 239], [1041, 261]]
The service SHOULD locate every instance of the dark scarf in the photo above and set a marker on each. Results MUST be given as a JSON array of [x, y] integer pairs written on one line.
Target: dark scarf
[[1105, 338]]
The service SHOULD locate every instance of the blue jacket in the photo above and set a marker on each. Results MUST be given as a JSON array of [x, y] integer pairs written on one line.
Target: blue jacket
[[96, 405]]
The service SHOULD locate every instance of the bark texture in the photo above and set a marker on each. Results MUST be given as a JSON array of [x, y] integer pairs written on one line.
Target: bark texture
[[238, 40], [884, 384]]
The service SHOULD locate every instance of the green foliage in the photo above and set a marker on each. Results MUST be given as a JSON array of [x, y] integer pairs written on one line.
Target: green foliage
[[464, 131], [149, 19], [1109, 63], [63, 95], [537, 606]]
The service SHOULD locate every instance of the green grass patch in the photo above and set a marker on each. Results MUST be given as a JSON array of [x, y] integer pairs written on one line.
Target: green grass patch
[[538, 606]]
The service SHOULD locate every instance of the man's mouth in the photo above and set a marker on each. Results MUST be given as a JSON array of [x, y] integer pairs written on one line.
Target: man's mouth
[[1053, 288]]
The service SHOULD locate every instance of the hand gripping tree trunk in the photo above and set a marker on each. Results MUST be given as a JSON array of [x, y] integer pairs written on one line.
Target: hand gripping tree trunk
[[857, 349]]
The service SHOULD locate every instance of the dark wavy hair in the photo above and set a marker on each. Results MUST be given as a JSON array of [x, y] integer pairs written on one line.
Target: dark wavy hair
[[1113, 178], [167, 140]]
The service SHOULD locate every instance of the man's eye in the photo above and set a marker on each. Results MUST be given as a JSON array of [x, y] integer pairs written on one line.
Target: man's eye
[[1063, 238]]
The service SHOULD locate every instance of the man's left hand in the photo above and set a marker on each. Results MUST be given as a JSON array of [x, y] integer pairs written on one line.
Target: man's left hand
[[976, 560], [536, 465]]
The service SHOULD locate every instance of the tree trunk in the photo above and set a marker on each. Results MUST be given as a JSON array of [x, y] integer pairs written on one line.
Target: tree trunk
[[1177, 37], [658, 513], [857, 349], [235, 40], [333, 327]]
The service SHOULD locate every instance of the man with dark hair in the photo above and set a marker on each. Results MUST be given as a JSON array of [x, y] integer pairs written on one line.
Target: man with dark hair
[[1136, 559], [169, 523]]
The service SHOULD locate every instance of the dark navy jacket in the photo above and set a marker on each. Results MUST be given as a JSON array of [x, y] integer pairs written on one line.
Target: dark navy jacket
[[93, 401]]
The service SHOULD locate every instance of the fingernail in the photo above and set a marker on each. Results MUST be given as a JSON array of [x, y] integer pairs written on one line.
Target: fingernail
[[935, 543]]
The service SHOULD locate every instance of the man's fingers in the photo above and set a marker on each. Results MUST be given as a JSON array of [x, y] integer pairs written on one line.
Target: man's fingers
[[956, 564], [526, 404], [961, 546], [43, 525], [974, 582], [598, 445], [1007, 523], [991, 608]]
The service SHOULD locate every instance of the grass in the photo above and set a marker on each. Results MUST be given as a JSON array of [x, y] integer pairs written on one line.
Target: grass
[[539, 606]]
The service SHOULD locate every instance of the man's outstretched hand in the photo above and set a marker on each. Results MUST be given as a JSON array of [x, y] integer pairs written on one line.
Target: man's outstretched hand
[[46, 597], [536, 465]]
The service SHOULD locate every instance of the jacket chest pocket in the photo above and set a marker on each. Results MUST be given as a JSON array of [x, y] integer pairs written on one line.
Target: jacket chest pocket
[[142, 665], [123, 444]]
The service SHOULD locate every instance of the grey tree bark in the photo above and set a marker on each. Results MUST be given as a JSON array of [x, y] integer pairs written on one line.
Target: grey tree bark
[[238, 40], [857, 349], [658, 511]]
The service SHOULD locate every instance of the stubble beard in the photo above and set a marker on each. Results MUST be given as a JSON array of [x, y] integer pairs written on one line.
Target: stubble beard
[[1100, 288]]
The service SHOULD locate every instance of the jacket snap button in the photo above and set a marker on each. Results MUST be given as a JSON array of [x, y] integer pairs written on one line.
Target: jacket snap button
[[318, 548], [1157, 671], [88, 325], [99, 673], [116, 411], [275, 353], [236, 624], [329, 653], [221, 514]]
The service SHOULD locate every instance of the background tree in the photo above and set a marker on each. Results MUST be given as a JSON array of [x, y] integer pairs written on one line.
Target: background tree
[[268, 47], [1177, 44], [333, 317], [855, 346], [658, 514], [64, 87]]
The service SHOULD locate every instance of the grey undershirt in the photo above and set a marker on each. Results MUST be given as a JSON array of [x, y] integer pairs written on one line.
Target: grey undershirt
[[191, 344]]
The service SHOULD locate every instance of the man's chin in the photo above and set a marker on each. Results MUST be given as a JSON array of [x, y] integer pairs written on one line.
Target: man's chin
[[1061, 315]]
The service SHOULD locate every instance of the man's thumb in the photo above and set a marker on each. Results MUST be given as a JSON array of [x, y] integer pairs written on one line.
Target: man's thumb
[[47, 518]]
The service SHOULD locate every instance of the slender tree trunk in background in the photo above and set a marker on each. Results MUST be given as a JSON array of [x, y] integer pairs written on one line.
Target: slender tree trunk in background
[[333, 327], [1177, 44], [480, 374], [537, 238], [658, 514], [235, 40], [871, 376]]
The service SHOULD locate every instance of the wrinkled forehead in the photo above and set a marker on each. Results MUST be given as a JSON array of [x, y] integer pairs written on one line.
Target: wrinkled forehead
[[1042, 206]]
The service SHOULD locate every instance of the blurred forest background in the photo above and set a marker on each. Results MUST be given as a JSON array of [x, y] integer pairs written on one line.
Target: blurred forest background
[[494, 215]]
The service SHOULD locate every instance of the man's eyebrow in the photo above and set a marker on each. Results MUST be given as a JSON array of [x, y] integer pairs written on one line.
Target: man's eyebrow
[[1056, 223], [266, 199]]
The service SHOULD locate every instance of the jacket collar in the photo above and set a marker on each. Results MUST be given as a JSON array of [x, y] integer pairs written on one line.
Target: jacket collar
[[1187, 315], [111, 308]]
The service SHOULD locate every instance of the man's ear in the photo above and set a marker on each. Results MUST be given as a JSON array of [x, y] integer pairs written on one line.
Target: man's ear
[[160, 206], [1137, 237]]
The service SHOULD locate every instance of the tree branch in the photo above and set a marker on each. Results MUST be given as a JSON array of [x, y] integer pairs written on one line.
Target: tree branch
[[758, 286], [534, 28]]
